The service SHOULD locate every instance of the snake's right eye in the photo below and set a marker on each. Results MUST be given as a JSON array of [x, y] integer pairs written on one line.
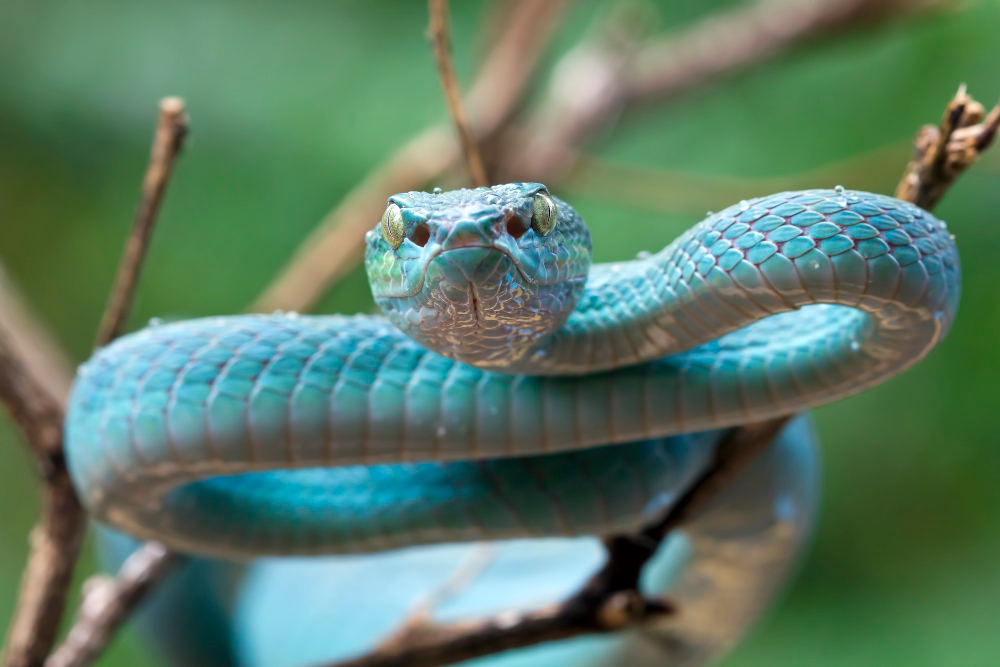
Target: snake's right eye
[[392, 226]]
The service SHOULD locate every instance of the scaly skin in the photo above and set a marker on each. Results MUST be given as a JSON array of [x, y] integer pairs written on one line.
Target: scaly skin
[[249, 435]]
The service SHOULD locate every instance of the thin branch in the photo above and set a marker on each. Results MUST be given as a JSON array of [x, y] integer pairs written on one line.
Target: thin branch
[[441, 40], [336, 246], [109, 601], [609, 601], [33, 343], [171, 129], [943, 152], [434, 645], [595, 84], [751, 34], [55, 541]]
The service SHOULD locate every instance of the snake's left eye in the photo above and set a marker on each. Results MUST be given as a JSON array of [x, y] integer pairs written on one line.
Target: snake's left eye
[[543, 213], [392, 226]]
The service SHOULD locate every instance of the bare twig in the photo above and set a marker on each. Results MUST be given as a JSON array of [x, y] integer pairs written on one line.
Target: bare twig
[[942, 152], [171, 130], [33, 343], [441, 40], [609, 601], [750, 34], [335, 247], [434, 645], [108, 602], [55, 541], [593, 85]]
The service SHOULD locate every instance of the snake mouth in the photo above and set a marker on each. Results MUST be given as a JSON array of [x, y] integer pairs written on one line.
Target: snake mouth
[[442, 252]]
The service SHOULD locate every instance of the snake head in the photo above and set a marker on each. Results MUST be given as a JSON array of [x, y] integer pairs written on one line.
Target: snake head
[[478, 275]]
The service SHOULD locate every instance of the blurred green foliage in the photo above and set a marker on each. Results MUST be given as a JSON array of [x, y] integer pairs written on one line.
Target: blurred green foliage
[[292, 103]]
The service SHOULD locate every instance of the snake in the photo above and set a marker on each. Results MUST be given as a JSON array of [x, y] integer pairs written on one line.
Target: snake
[[512, 393]]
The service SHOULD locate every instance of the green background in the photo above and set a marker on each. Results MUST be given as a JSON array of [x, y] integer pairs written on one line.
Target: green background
[[292, 104]]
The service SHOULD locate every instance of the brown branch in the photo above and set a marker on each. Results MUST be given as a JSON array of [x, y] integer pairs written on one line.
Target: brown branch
[[617, 75], [336, 246], [943, 152], [434, 645], [608, 602], [109, 601], [55, 541], [171, 129], [32, 342], [441, 40], [748, 35]]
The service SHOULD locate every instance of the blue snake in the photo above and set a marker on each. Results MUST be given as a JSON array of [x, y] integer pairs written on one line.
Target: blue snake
[[512, 393]]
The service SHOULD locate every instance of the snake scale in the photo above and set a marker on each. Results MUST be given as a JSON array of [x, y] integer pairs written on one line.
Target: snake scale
[[512, 390]]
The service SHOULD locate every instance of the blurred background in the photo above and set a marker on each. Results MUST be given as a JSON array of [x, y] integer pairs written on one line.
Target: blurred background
[[292, 104]]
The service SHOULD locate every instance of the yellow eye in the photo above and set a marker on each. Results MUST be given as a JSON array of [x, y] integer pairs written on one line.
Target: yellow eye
[[543, 214], [392, 226]]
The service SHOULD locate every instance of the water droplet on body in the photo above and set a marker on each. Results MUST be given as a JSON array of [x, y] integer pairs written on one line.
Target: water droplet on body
[[839, 189], [154, 322]]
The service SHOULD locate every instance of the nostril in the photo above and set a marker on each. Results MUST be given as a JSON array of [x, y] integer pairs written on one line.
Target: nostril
[[421, 235], [516, 227]]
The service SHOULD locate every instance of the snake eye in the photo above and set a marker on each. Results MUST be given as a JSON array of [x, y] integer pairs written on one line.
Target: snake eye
[[543, 213], [392, 226]]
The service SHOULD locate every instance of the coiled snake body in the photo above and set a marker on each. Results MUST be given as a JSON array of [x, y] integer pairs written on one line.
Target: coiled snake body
[[496, 399]]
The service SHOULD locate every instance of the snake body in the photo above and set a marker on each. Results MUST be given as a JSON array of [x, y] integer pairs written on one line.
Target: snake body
[[513, 390]]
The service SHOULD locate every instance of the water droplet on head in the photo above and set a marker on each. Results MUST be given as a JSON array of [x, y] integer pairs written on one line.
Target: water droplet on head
[[154, 322], [292, 315], [709, 214], [643, 254], [744, 204], [839, 189], [437, 191]]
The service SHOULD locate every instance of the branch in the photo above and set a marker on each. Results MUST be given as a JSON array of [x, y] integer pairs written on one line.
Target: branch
[[55, 541], [614, 76], [440, 38], [171, 130], [608, 602], [109, 601], [434, 645], [943, 152], [33, 343], [336, 246]]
